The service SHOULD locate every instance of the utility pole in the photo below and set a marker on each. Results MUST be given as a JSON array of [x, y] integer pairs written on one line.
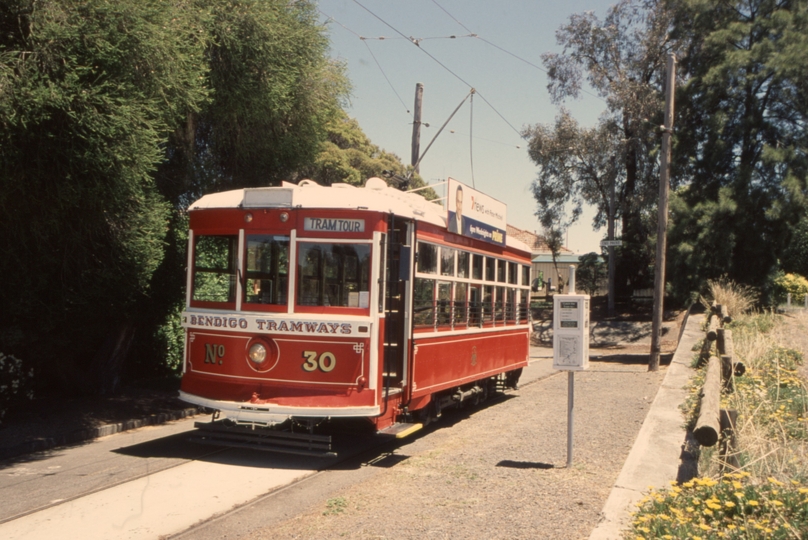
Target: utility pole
[[662, 227], [416, 126], [612, 187]]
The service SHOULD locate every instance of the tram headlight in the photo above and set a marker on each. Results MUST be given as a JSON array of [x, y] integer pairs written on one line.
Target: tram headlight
[[258, 353]]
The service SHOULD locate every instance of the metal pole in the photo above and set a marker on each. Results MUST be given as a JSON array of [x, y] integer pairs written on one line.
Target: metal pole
[[571, 280], [662, 227], [570, 418]]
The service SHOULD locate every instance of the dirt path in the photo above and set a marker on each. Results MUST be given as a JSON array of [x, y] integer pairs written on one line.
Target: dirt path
[[501, 472]]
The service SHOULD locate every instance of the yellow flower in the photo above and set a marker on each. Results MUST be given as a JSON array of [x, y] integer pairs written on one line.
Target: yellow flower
[[738, 494], [729, 504], [736, 484], [777, 503], [705, 527], [708, 512]]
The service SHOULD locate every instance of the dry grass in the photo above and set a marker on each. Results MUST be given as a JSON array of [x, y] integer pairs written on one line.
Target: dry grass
[[738, 299]]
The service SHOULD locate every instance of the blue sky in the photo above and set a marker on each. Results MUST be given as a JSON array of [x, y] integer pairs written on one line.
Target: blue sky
[[481, 145]]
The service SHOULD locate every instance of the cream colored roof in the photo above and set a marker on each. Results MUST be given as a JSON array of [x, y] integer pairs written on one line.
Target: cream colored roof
[[376, 195]]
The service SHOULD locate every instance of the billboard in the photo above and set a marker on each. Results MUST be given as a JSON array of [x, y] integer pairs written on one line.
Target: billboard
[[474, 214]]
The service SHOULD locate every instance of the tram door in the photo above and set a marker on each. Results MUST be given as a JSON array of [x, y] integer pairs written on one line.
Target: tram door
[[397, 287]]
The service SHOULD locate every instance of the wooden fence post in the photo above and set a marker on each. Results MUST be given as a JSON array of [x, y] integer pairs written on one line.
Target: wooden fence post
[[708, 424]]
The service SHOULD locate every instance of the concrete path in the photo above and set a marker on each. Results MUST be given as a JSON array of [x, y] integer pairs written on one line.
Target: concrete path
[[655, 458]]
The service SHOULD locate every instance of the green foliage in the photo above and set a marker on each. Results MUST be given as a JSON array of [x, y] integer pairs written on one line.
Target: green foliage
[[785, 284], [113, 117], [740, 138], [15, 383], [590, 273], [795, 255], [349, 157]]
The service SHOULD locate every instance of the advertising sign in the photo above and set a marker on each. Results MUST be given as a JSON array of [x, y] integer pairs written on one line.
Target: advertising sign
[[474, 214]]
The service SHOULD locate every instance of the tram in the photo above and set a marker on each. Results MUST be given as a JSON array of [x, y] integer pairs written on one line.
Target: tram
[[307, 304]]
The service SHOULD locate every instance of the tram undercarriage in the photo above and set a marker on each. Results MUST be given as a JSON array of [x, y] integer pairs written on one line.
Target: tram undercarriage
[[313, 436]]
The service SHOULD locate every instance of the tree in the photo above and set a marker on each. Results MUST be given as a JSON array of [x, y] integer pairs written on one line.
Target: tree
[[741, 139], [348, 156], [113, 117], [590, 273], [623, 59]]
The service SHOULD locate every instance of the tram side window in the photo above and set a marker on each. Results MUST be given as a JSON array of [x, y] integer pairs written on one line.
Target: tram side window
[[444, 303], [501, 271], [490, 269], [215, 268], [513, 272], [463, 264], [424, 302], [477, 266], [334, 275], [447, 261], [525, 275], [460, 304], [267, 274], [427, 258]]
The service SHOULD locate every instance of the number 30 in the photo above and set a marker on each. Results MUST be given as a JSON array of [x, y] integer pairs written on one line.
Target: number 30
[[326, 362]]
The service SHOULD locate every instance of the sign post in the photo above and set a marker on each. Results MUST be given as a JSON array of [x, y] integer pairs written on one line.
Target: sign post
[[570, 346]]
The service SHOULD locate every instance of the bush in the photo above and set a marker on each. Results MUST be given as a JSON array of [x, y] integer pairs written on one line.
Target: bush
[[790, 283], [15, 383]]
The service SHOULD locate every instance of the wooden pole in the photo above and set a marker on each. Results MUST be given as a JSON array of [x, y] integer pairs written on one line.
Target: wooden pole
[[612, 189], [708, 425], [416, 125], [662, 226]]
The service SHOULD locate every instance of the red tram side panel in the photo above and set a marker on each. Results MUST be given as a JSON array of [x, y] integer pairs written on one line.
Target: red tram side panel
[[308, 303]]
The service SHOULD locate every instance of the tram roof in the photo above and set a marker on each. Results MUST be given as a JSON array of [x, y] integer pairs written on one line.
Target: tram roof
[[376, 195]]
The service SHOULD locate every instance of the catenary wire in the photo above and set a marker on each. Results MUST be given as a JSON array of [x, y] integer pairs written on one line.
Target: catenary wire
[[441, 64]]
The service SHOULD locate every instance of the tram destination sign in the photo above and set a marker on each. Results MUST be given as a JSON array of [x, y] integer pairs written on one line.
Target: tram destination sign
[[334, 225], [474, 214]]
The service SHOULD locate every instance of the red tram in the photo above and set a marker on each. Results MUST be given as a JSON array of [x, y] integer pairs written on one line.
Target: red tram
[[308, 303]]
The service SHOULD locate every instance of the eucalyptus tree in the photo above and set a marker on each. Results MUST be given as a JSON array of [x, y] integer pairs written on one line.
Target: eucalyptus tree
[[623, 59]]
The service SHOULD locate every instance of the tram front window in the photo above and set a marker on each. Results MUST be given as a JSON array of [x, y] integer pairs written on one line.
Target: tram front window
[[333, 274], [215, 268], [267, 275]]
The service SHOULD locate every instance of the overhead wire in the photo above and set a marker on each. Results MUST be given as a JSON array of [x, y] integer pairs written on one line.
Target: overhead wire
[[441, 64], [507, 51], [364, 40]]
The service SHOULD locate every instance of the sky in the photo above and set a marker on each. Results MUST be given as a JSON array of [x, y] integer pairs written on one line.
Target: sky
[[481, 145]]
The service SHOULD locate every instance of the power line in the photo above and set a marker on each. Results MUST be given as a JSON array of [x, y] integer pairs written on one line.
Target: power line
[[507, 51], [385, 76], [441, 64]]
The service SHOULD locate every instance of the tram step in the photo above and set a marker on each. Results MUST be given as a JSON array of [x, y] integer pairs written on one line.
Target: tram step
[[265, 439], [401, 430]]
